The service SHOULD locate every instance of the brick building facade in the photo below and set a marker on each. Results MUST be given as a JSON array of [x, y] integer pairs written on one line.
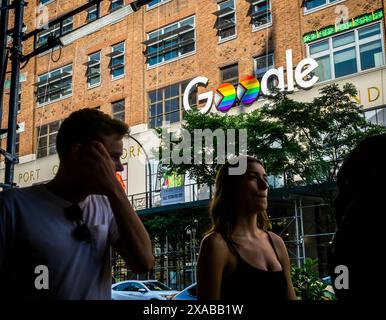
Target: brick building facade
[[137, 66], [288, 23]]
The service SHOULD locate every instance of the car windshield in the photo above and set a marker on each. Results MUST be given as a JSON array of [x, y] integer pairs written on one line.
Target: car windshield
[[156, 286]]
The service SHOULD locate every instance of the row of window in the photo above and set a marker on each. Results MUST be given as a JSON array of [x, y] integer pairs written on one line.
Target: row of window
[[116, 4], [308, 4], [176, 42], [93, 13], [341, 55], [348, 53], [57, 84], [116, 65], [165, 104], [46, 142], [66, 26], [338, 56], [179, 39], [165, 44]]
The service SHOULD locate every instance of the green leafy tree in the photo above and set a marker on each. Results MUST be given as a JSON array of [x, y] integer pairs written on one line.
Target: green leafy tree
[[315, 137], [205, 173]]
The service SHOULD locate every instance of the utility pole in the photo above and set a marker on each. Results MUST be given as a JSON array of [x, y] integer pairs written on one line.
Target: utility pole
[[16, 53], [3, 52], [17, 57]]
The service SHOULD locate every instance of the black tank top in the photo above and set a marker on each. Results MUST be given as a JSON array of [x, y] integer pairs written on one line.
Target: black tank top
[[250, 283]]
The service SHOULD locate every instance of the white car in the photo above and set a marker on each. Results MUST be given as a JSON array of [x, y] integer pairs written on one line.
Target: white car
[[189, 293], [141, 290]]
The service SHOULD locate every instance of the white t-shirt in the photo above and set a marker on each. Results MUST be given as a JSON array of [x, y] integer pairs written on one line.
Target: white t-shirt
[[34, 230]]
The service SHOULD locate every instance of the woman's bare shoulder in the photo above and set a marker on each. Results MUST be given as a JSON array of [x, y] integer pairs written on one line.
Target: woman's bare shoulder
[[277, 241], [214, 240]]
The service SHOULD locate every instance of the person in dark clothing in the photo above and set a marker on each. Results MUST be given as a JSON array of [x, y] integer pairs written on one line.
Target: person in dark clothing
[[360, 204], [239, 258]]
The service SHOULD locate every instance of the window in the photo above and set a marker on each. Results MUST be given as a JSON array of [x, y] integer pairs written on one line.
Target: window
[[117, 62], [155, 3], [166, 104], [3, 137], [45, 1], [376, 116], [54, 85], [94, 69], [93, 12], [226, 20], [55, 31], [156, 286], [312, 4], [171, 42], [116, 4], [230, 74], [118, 110], [133, 286], [348, 53], [46, 142], [262, 64], [261, 14]]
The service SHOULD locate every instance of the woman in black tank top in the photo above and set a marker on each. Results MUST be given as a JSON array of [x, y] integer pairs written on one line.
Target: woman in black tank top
[[239, 258]]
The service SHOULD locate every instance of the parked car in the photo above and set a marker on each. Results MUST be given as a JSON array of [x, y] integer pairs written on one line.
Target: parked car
[[189, 293], [141, 290]]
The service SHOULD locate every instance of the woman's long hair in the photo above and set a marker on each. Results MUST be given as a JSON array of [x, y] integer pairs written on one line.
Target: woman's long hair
[[223, 207]]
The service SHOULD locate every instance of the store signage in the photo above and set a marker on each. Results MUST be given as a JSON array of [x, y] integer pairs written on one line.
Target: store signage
[[172, 195], [173, 189], [350, 24], [249, 89]]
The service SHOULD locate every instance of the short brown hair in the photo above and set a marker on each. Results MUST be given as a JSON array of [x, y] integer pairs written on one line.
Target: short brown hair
[[85, 125]]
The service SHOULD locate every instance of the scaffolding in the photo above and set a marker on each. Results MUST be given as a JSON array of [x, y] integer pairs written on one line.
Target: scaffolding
[[307, 231]]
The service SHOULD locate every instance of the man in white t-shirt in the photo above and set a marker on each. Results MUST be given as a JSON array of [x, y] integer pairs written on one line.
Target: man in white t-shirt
[[55, 238]]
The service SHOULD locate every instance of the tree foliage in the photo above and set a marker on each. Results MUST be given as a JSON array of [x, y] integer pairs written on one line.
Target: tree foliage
[[315, 137]]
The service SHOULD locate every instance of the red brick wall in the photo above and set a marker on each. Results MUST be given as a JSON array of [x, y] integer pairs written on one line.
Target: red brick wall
[[289, 24]]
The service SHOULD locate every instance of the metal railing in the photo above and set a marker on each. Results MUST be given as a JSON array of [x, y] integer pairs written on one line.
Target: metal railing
[[192, 192]]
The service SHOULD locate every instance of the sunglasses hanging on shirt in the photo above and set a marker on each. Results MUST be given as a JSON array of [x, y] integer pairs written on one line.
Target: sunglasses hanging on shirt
[[81, 232]]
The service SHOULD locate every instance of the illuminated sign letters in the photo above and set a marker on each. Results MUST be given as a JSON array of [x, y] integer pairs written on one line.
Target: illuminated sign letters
[[346, 25], [249, 88]]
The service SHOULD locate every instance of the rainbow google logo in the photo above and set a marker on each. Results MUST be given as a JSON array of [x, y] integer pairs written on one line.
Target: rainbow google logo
[[247, 92], [249, 89]]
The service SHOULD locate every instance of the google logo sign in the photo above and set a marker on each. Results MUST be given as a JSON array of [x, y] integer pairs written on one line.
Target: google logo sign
[[249, 89], [247, 92]]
